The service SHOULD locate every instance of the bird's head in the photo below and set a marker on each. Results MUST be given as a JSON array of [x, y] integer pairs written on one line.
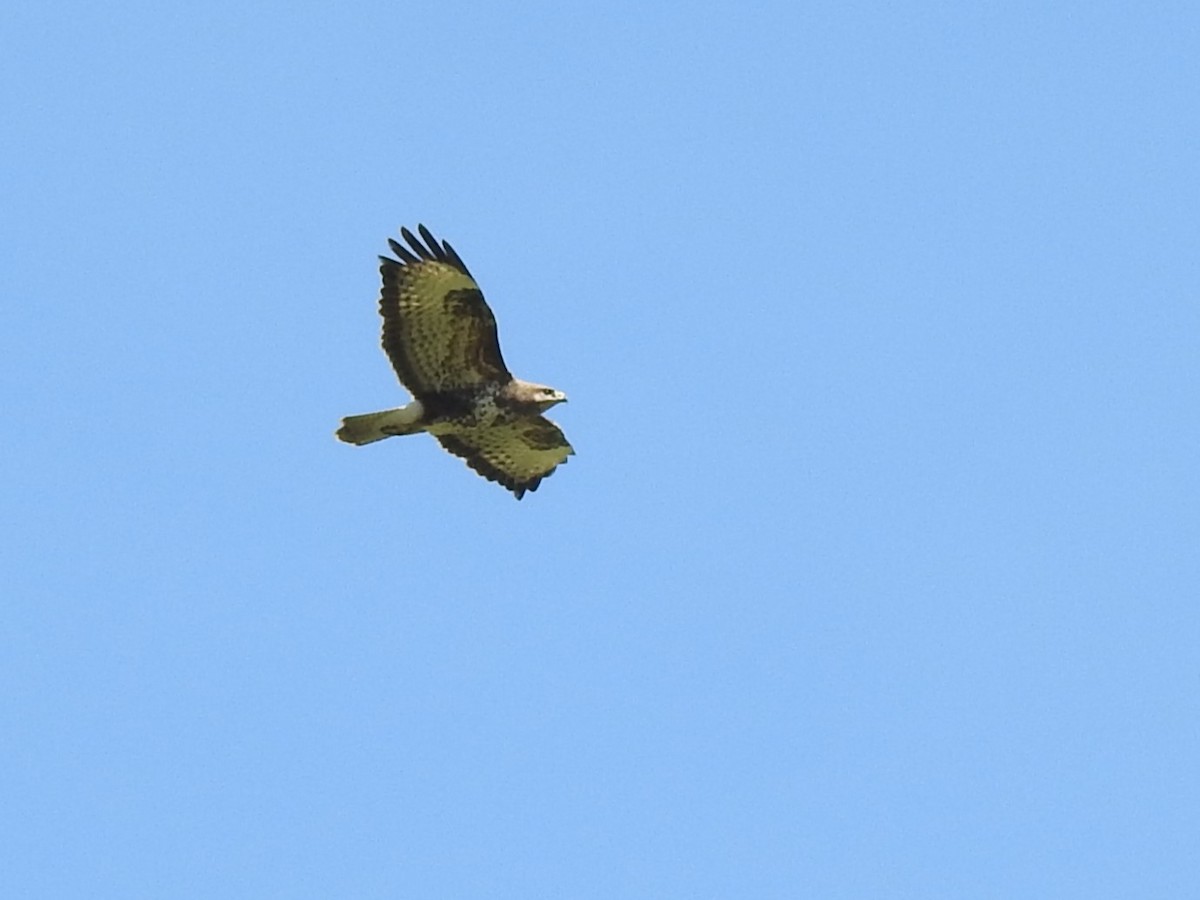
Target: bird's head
[[539, 396]]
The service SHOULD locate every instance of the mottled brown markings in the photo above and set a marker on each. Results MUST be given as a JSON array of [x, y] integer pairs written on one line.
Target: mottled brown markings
[[543, 436], [441, 338]]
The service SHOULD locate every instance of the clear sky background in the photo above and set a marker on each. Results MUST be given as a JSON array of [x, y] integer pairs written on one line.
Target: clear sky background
[[875, 574]]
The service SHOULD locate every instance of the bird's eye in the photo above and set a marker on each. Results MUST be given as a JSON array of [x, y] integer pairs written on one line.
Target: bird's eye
[[547, 391]]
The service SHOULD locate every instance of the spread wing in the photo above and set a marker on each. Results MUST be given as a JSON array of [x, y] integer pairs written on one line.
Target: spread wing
[[517, 454], [437, 330]]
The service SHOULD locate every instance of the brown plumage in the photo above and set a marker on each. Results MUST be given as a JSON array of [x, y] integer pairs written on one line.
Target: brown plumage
[[441, 339]]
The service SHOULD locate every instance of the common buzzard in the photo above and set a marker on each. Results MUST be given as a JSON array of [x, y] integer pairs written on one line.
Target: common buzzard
[[441, 338]]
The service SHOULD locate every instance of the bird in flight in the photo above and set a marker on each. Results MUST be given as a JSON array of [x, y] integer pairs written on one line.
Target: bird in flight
[[441, 339]]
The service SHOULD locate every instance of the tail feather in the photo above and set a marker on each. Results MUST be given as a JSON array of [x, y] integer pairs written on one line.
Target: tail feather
[[371, 427]]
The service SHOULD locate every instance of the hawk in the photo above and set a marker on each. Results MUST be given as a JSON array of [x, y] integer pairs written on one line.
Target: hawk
[[441, 338]]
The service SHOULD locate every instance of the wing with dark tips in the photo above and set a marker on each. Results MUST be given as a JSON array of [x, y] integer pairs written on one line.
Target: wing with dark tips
[[438, 331], [516, 455]]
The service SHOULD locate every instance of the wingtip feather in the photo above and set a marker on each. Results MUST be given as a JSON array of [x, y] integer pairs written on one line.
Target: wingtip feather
[[420, 249], [432, 243]]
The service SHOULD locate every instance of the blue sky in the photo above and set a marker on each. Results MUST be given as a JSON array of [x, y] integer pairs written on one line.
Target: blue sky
[[875, 574]]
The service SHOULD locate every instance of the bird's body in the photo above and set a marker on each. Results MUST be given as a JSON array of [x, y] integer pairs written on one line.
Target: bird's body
[[441, 338]]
